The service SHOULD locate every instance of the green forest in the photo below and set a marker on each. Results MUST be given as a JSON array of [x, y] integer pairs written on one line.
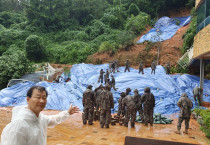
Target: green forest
[[67, 31]]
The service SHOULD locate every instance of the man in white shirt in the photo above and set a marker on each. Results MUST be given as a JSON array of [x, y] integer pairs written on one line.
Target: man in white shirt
[[28, 126]]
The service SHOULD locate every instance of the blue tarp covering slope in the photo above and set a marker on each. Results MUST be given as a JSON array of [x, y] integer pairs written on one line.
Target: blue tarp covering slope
[[164, 29], [166, 88]]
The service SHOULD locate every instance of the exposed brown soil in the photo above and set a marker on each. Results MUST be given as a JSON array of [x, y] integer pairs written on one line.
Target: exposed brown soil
[[170, 50]]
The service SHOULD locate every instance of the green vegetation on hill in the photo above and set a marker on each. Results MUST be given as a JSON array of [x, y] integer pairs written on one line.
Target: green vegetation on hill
[[67, 31], [190, 33]]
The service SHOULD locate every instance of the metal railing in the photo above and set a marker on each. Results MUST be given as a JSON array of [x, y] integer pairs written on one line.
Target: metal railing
[[203, 24], [186, 58]]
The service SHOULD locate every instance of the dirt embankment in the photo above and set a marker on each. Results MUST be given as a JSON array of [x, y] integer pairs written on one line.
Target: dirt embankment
[[169, 50]]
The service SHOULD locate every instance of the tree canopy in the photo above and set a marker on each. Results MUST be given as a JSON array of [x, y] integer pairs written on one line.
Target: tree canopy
[[67, 31]]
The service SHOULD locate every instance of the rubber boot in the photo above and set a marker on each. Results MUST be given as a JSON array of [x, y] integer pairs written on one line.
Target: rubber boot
[[102, 125], [107, 125], [186, 131], [84, 122], [126, 125], [132, 125], [178, 132]]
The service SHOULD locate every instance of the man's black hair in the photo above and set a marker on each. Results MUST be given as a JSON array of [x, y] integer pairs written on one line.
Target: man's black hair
[[39, 88]]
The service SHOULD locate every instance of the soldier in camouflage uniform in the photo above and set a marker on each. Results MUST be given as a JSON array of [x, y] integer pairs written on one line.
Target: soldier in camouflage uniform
[[168, 68], [106, 75], [141, 67], [129, 102], [113, 83], [113, 67], [137, 99], [196, 94], [108, 83], [101, 76], [148, 101], [153, 66], [128, 90], [89, 103], [106, 103], [97, 96], [185, 105], [127, 66], [120, 109], [116, 65]]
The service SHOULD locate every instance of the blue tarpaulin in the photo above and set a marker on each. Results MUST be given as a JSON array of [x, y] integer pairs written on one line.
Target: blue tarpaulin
[[167, 89], [164, 29]]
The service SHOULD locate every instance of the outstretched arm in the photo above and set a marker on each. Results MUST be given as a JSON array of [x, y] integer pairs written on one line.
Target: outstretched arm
[[62, 116]]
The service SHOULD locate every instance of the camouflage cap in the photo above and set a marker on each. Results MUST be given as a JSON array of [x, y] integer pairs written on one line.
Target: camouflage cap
[[123, 94], [184, 95], [147, 89], [136, 90], [128, 89], [89, 86]]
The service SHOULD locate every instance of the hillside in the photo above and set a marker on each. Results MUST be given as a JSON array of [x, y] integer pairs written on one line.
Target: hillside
[[170, 50]]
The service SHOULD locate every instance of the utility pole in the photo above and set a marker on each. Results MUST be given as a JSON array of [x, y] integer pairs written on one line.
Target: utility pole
[[158, 46]]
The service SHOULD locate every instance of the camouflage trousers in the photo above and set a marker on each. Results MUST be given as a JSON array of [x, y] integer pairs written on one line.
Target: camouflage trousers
[[97, 105], [88, 115], [180, 120], [105, 117], [127, 68], [153, 70], [120, 111], [100, 78], [148, 116], [141, 70], [113, 70], [141, 114], [105, 79], [197, 97], [167, 71], [130, 113], [113, 86]]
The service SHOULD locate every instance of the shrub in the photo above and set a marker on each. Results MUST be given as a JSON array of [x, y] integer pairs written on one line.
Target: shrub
[[12, 49], [66, 35], [106, 46], [8, 18], [1, 27], [96, 29], [55, 52], [76, 52], [35, 48], [177, 21], [190, 33], [133, 9], [137, 24], [115, 17], [13, 66], [205, 114], [10, 36], [125, 38], [81, 36]]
